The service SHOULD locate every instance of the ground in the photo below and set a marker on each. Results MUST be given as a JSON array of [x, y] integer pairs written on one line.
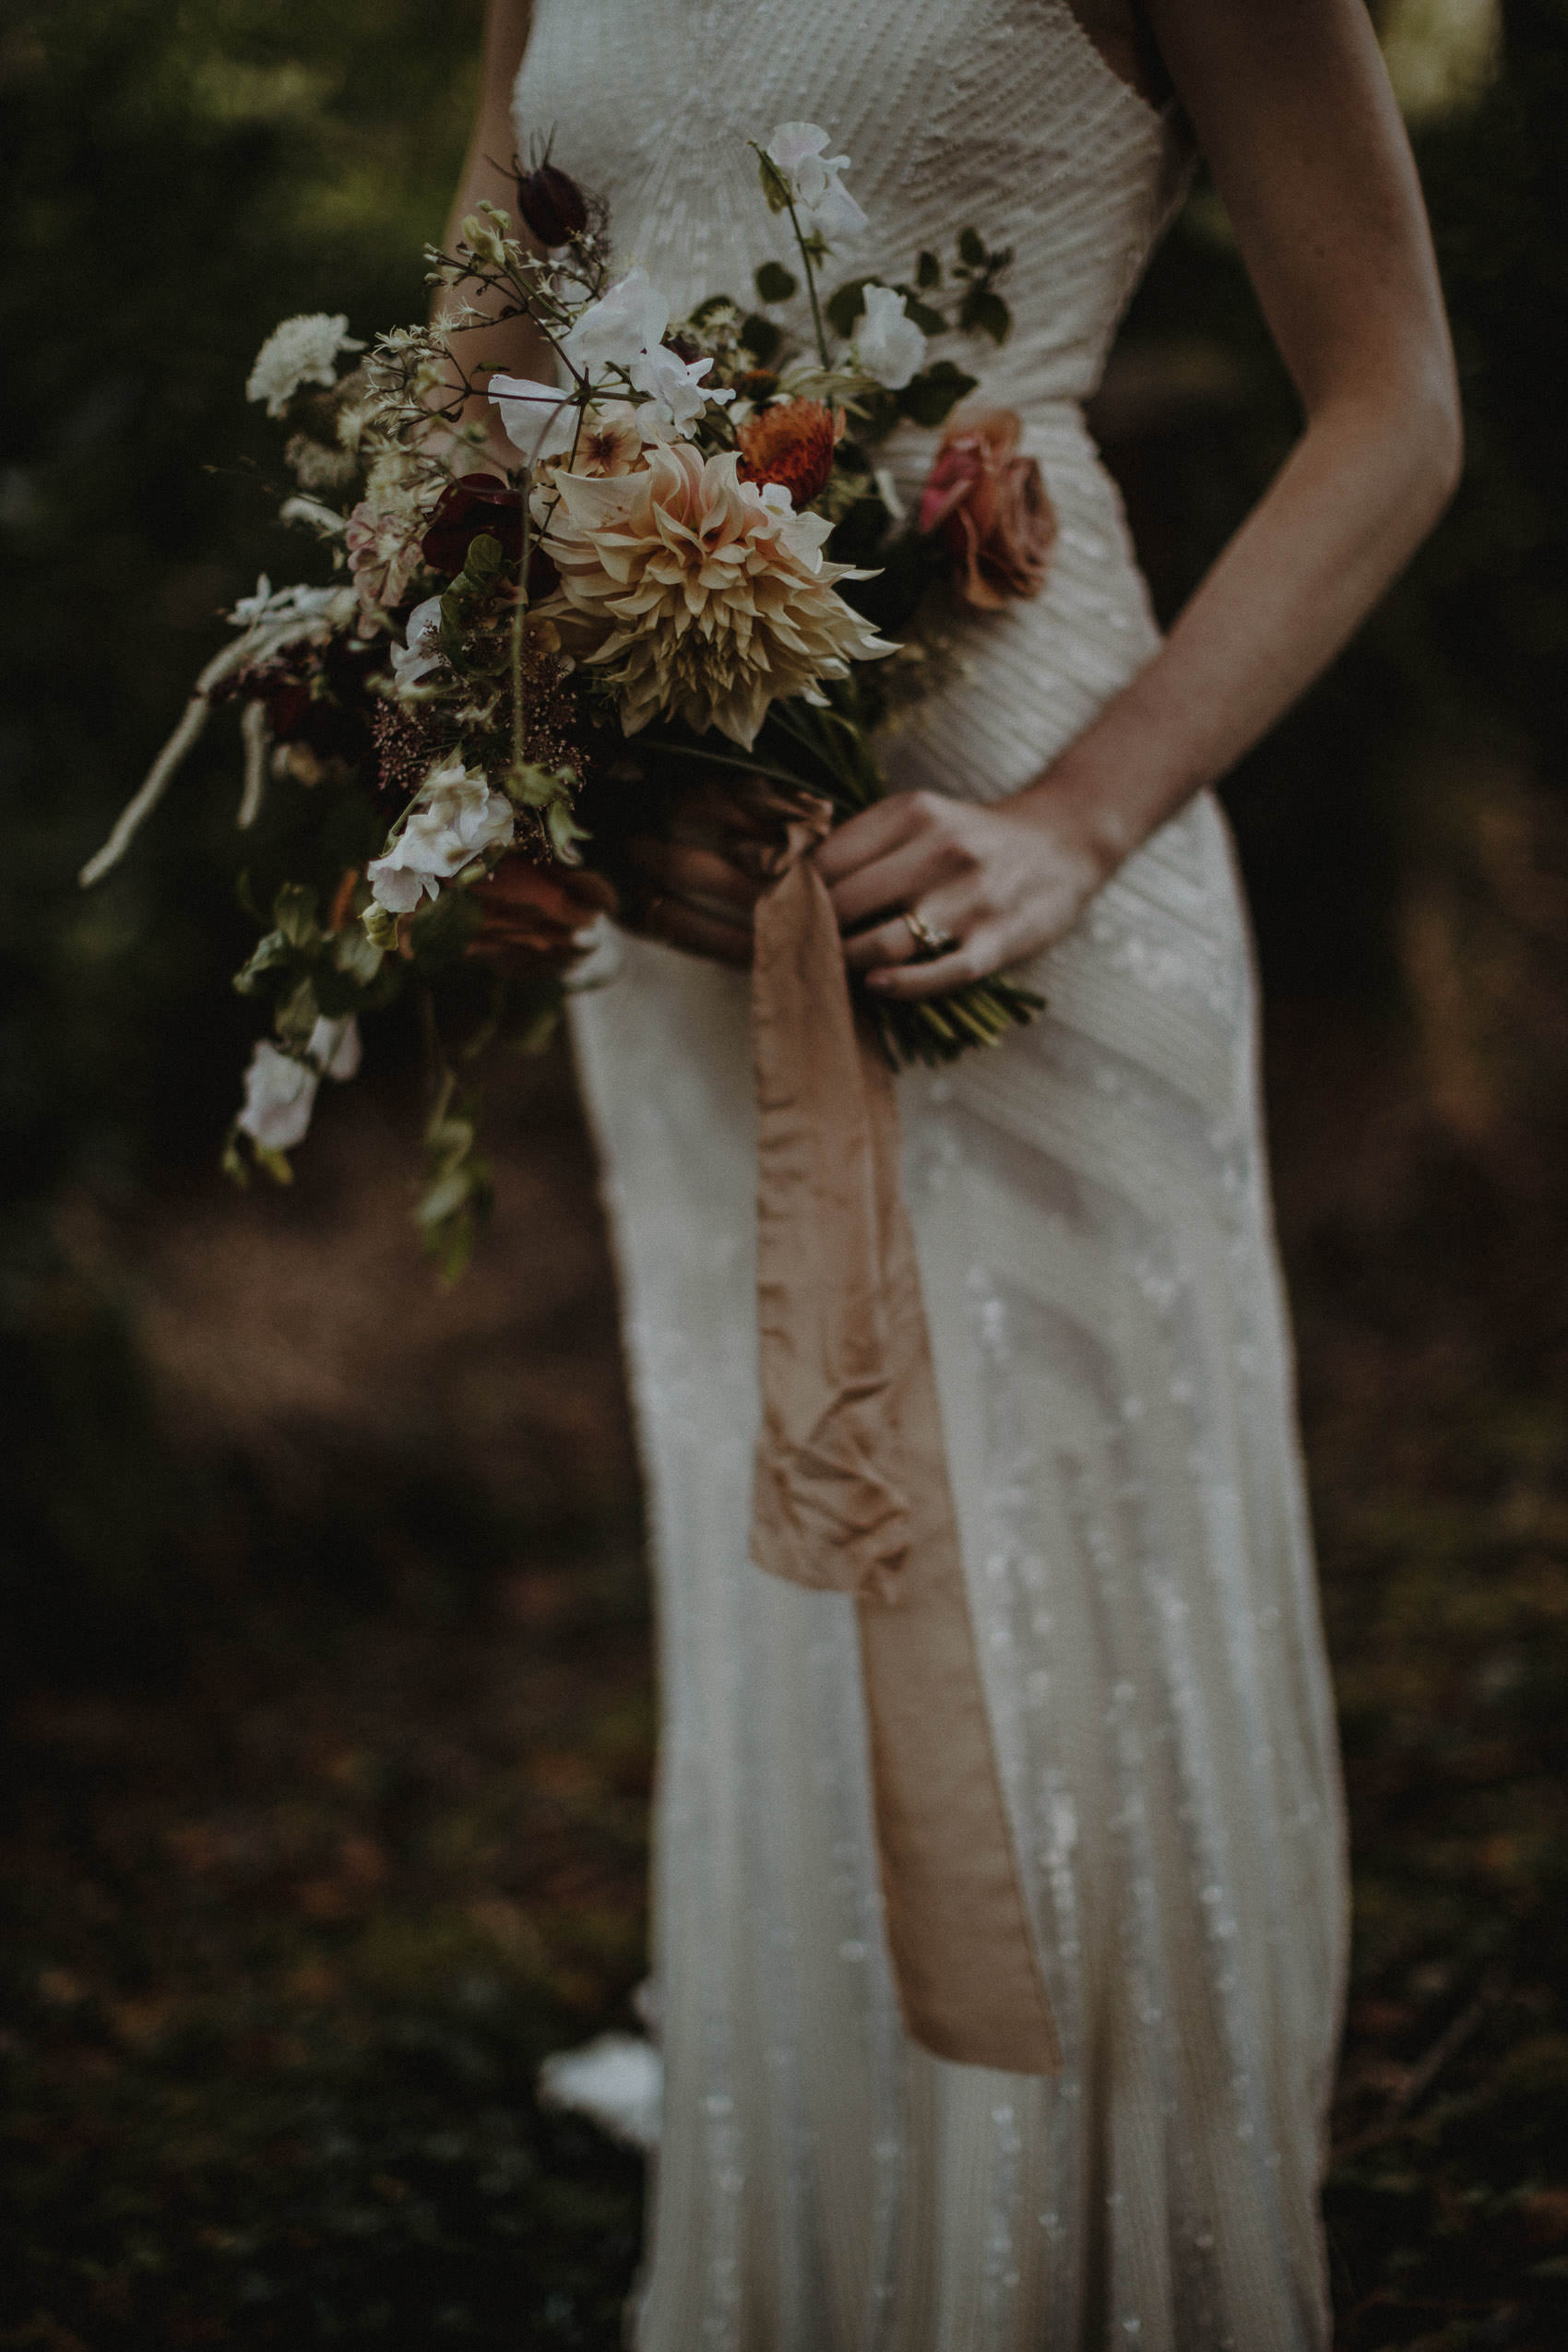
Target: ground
[[298, 1896]]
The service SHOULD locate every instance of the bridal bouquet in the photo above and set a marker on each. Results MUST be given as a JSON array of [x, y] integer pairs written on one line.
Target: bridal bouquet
[[697, 564]]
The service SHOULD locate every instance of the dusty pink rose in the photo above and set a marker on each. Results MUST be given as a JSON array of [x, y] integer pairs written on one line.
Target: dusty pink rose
[[384, 553], [991, 506]]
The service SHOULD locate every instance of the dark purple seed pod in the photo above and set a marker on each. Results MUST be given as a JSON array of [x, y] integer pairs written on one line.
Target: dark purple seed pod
[[552, 205]]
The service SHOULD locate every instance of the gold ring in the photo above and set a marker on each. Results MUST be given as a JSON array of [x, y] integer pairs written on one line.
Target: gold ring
[[929, 940]]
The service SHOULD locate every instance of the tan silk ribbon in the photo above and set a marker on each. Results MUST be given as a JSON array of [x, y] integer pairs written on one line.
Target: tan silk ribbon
[[851, 1489]]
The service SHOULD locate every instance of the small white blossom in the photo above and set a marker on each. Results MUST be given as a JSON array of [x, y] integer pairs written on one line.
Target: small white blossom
[[302, 351], [672, 385], [332, 605], [812, 178], [422, 653], [538, 419], [618, 328], [456, 818], [325, 522], [280, 1097], [334, 1048], [887, 343]]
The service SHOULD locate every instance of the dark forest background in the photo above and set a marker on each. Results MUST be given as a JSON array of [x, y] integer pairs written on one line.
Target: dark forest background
[[323, 1667]]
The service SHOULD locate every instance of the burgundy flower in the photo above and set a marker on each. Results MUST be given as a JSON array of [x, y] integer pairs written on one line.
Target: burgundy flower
[[468, 509], [552, 205], [315, 696]]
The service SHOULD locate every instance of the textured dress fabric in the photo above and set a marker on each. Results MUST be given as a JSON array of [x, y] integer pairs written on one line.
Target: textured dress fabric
[[1094, 1234]]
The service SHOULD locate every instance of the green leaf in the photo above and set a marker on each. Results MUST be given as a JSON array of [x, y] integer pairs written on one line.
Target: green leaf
[[356, 955], [481, 564], [711, 303], [929, 321], [444, 1197], [971, 249], [294, 912], [450, 639], [441, 931], [266, 955], [565, 832], [877, 411], [299, 1012], [775, 283], [845, 304], [930, 397], [775, 187], [762, 338], [532, 787], [928, 271], [532, 1027], [984, 313]]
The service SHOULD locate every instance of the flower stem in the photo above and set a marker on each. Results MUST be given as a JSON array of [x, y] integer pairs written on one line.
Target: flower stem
[[811, 286]]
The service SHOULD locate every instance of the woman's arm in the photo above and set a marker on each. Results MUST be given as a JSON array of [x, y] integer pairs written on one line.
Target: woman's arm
[[1291, 105], [486, 174]]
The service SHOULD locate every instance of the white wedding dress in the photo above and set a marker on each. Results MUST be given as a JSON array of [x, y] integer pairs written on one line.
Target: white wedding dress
[[1092, 1218]]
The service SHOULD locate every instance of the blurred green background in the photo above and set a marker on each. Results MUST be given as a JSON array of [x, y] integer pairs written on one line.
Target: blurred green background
[[325, 1669]]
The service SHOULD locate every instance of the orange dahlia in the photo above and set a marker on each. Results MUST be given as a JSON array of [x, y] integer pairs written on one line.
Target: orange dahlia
[[791, 443]]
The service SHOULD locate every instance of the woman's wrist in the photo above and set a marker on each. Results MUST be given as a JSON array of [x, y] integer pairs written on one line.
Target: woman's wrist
[[1111, 789], [1084, 814]]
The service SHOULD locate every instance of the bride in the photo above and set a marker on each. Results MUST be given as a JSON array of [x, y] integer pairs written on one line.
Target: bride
[[1089, 1207]]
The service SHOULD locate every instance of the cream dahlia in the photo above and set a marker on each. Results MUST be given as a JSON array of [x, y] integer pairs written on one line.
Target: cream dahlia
[[703, 597]]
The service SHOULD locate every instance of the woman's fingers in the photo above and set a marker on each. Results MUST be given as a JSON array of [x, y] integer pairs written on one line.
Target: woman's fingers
[[871, 835], [675, 924], [697, 901], [532, 912], [887, 943], [909, 875], [972, 959], [684, 870]]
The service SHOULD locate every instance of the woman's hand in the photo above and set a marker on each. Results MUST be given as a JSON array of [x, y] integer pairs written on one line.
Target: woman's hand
[[1000, 884], [534, 915], [698, 885]]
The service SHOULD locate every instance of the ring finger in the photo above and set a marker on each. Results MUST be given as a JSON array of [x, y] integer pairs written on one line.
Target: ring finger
[[893, 941]]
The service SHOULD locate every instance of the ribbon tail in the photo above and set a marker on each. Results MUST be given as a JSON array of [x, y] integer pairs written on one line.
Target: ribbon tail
[[851, 1489], [963, 1949]]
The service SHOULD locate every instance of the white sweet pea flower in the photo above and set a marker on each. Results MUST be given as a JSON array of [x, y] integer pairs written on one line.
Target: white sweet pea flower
[[820, 202], [334, 1047], [618, 328], [673, 386], [269, 605], [538, 419], [889, 344], [422, 653], [280, 1097], [887, 490], [457, 818], [302, 351]]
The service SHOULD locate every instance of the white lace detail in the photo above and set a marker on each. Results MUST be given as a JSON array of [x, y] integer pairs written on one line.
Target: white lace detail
[[1092, 1217]]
